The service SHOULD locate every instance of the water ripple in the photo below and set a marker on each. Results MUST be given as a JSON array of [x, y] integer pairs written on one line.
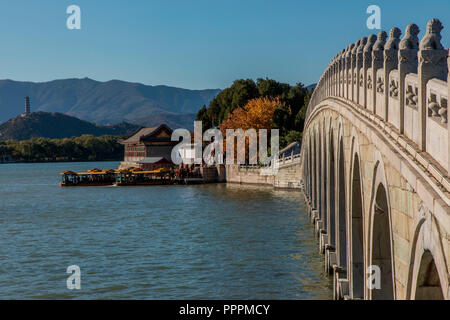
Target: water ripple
[[159, 242]]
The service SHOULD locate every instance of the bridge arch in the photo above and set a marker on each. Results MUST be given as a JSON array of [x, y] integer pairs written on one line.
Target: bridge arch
[[341, 218], [428, 270], [331, 191], [310, 169], [380, 254], [428, 283], [318, 138], [324, 216], [315, 166], [356, 224]]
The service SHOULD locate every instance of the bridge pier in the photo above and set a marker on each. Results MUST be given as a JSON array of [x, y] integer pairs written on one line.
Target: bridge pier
[[340, 283], [323, 241], [330, 259]]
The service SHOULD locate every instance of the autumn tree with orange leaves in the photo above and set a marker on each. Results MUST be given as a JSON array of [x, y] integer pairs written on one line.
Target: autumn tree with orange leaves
[[289, 117], [256, 114]]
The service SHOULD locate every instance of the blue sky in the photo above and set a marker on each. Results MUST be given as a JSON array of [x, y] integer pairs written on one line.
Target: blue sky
[[192, 44]]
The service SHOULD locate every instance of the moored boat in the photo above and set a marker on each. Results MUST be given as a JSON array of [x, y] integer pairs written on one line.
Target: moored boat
[[94, 177], [136, 177]]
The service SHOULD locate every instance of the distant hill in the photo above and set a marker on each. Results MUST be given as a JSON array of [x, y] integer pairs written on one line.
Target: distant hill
[[58, 125], [174, 121], [102, 102]]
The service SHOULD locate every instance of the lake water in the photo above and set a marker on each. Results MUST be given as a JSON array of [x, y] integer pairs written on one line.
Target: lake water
[[217, 241]]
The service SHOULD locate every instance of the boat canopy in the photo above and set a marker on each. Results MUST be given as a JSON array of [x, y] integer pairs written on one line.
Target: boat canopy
[[90, 172], [68, 172]]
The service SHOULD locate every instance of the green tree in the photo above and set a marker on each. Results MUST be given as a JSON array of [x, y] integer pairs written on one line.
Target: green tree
[[293, 136], [282, 119], [288, 117], [202, 115]]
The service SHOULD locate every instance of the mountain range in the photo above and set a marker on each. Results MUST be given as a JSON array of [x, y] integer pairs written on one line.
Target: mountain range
[[108, 102], [72, 107]]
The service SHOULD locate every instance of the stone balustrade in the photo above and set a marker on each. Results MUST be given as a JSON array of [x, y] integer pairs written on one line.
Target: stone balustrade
[[403, 83]]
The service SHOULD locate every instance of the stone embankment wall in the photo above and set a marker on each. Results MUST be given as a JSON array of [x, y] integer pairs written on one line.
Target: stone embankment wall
[[287, 176], [247, 175]]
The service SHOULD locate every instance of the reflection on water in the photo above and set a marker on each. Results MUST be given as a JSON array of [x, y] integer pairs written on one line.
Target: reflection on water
[[214, 241]]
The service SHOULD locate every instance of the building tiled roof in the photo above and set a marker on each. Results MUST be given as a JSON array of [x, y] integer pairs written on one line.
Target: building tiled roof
[[144, 132]]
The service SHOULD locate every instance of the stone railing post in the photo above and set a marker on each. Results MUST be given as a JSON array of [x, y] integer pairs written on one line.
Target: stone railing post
[[432, 64], [359, 68], [344, 72], [377, 63], [344, 68], [338, 75], [320, 91], [328, 81], [331, 77], [341, 73], [353, 70], [407, 63], [330, 87], [334, 76], [348, 70], [390, 63], [367, 63]]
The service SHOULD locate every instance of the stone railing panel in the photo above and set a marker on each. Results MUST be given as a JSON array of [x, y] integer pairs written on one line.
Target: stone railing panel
[[394, 99], [379, 94], [369, 89], [355, 85], [391, 63], [361, 86], [411, 108], [437, 128]]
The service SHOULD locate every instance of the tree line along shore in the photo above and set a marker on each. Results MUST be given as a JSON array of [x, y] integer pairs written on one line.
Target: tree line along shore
[[83, 148]]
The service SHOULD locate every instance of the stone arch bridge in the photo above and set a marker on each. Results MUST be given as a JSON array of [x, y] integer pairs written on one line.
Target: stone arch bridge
[[375, 165]]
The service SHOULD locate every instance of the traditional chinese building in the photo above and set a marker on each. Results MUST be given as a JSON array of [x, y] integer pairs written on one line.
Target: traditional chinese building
[[149, 149]]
